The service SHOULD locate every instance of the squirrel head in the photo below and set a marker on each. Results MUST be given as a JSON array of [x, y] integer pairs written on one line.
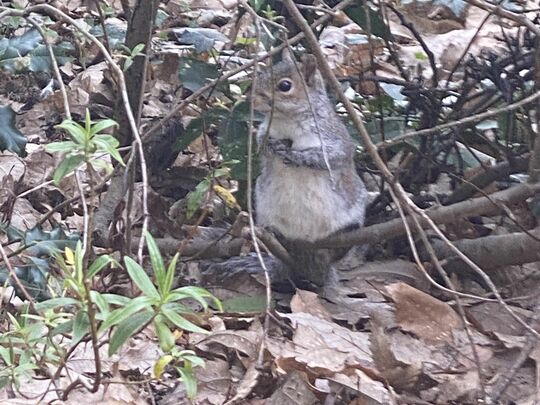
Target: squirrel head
[[289, 87]]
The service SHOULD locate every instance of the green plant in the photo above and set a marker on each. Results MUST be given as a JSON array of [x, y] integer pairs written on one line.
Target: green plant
[[85, 142], [87, 314], [130, 54], [188, 359], [159, 305], [196, 197], [17, 348]]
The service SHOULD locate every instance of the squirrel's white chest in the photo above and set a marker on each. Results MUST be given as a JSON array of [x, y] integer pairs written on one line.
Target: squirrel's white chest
[[300, 202]]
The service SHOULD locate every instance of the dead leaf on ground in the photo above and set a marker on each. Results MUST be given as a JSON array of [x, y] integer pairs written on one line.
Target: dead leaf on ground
[[309, 302], [427, 317], [320, 346], [371, 391], [294, 391]]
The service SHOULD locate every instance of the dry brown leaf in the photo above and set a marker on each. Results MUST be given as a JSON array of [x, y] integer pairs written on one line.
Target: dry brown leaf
[[13, 165], [398, 356], [371, 392], [40, 166], [308, 302], [295, 390], [248, 382], [428, 318], [488, 317], [24, 215], [243, 341], [320, 346]]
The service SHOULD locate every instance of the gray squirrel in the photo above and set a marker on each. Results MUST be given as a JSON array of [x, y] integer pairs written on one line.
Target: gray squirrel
[[308, 188]]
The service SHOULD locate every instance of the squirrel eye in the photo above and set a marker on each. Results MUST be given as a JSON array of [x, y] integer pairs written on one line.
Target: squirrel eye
[[285, 85]]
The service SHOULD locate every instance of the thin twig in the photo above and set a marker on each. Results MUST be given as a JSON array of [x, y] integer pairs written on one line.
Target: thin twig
[[18, 282], [54, 65], [467, 120], [502, 12], [249, 198]]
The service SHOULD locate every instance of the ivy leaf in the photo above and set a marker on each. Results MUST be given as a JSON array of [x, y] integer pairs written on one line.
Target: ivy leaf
[[10, 137], [21, 45], [378, 27], [202, 39], [46, 243], [457, 7], [233, 137], [194, 74], [198, 126]]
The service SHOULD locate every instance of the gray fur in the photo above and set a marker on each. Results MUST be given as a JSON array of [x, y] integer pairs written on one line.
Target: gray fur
[[308, 188]]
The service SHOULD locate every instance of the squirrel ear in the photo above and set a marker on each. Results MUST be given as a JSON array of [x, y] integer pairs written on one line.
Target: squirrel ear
[[287, 56], [310, 72]]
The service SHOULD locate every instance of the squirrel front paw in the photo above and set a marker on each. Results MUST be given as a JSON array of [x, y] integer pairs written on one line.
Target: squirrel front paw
[[279, 145], [281, 148]]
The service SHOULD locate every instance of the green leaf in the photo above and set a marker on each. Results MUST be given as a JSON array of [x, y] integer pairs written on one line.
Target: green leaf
[[40, 60], [115, 32], [62, 147], [75, 130], [378, 27], [127, 64], [103, 125], [160, 365], [199, 294], [196, 197], [5, 353], [4, 381], [127, 329], [181, 322], [115, 299], [101, 303], [55, 303], [156, 260], [245, 304], [189, 381], [232, 139], [137, 49], [68, 165], [81, 326], [62, 328], [98, 264], [164, 334], [110, 147], [195, 74], [23, 44], [196, 360], [198, 126], [119, 315], [46, 243], [140, 278], [10, 137], [171, 270]]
